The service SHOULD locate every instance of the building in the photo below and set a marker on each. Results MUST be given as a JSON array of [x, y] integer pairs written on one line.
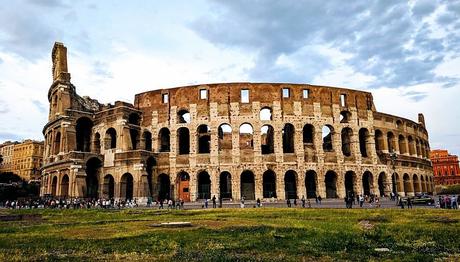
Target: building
[[6, 151], [445, 167], [257, 140], [28, 159]]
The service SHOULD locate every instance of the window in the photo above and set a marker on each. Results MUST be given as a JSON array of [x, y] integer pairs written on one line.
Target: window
[[342, 99], [244, 96], [305, 93], [285, 92], [165, 98], [203, 94]]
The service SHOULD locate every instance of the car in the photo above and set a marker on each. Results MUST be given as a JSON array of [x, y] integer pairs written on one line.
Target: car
[[420, 199]]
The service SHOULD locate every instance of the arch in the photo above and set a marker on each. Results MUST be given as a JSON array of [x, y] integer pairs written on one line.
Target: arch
[[331, 184], [265, 114], [327, 134], [363, 141], [288, 133], [64, 186], [204, 185], [391, 141], [134, 119], [147, 137], [417, 148], [410, 141], [183, 186], [150, 166], [368, 183], [269, 184], [97, 143], [379, 144], [350, 184], [203, 134], [164, 140], [267, 134], [382, 181], [164, 187], [83, 130], [93, 166], [402, 144], [347, 133], [308, 134], [290, 184], [183, 141], [310, 183], [183, 116], [225, 137], [109, 187], [225, 185], [246, 136], [416, 184], [57, 143], [345, 116], [134, 135], [110, 138], [54, 186], [423, 183], [247, 185], [407, 184], [395, 183], [126, 186]]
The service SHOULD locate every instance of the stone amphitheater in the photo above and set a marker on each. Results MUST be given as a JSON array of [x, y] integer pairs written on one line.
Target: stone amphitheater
[[257, 140]]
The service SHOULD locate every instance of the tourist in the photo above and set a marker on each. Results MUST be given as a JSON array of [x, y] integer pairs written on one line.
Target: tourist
[[288, 202], [206, 203], [242, 202], [303, 201], [309, 203], [319, 200], [454, 202], [409, 203], [258, 202], [214, 204]]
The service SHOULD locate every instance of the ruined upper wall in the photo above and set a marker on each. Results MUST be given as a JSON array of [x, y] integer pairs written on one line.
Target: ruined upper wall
[[266, 94]]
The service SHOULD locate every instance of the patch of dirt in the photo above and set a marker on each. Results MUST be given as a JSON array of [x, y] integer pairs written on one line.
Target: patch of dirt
[[443, 220], [365, 225]]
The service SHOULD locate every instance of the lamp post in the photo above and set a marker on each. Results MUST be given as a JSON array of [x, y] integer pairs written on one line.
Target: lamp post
[[393, 157]]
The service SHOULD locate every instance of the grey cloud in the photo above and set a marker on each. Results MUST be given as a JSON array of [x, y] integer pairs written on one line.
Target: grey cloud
[[101, 69], [423, 7], [415, 95], [40, 107], [7, 136]]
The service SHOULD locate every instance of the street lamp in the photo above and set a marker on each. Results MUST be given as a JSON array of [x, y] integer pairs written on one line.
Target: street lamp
[[393, 157]]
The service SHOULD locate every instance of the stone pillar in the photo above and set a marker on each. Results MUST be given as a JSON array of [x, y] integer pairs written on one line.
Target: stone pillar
[[215, 182], [258, 184], [301, 189]]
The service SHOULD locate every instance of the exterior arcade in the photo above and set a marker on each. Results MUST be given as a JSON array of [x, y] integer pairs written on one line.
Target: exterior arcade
[[257, 140]]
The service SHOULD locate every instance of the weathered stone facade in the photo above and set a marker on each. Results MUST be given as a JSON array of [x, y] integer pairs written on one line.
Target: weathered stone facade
[[257, 140], [22, 158], [445, 167]]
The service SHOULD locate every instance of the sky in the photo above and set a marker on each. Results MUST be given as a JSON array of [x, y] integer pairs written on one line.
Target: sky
[[407, 53]]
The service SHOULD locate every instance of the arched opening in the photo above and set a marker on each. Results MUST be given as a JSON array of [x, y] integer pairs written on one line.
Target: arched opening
[[97, 143], [134, 119], [183, 186], [204, 185], [347, 133], [402, 144], [150, 166], [395, 183], [265, 114], [183, 116], [164, 138], [379, 141], [93, 166], [363, 141], [423, 182], [204, 139], [183, 141], [407, 185], [126, 186], [246, 137], [327, 134], [109, 187], [331, 184], [64, 186], [57, 143], [225, 185], [54, 186], [308, 133], [269, 184], [267, 139], [345, 117], [164, 187], [110, 138], [399, 124], [134, 134], [247, 185], [350, 184], [290, 185], [288, 138], [310, 183], [367, 183], [411, 145], [382, 183], [147, 137], [225, 137], [391, 142], [416, 184], [83, 134]]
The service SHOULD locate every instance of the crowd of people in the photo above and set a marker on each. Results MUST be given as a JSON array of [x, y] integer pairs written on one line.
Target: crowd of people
[[69, 203], [447, 201]]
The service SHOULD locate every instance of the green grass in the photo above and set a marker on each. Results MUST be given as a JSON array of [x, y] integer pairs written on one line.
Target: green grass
[[234, 234]]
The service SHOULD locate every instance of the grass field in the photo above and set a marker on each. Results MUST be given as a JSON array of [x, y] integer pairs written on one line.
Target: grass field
[[233, 234]]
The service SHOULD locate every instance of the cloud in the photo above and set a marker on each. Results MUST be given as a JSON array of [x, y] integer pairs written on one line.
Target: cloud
[[8, 136], [40, 107]]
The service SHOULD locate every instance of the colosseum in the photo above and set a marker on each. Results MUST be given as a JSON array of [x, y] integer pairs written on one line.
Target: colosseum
[[257, 140]]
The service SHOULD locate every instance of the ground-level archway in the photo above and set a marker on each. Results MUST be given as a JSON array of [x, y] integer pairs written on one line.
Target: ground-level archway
[[93, 166], [225, 185], [382, 181], [331, 184], [204, 185], [350, 184], [109, 187], [367, 183], [290, 184], [126, 186], [247, 185], [310, 183], [64, 186], [164, 187], [54, 186], [183, 186], [269, 184]]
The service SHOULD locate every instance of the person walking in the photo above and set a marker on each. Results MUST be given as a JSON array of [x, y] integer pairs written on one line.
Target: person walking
[[361, 200], [409, 203], [258, 202], [303, 201], [242, 202], [206, 203], [214, 204], [319, 200], [288, 202]]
